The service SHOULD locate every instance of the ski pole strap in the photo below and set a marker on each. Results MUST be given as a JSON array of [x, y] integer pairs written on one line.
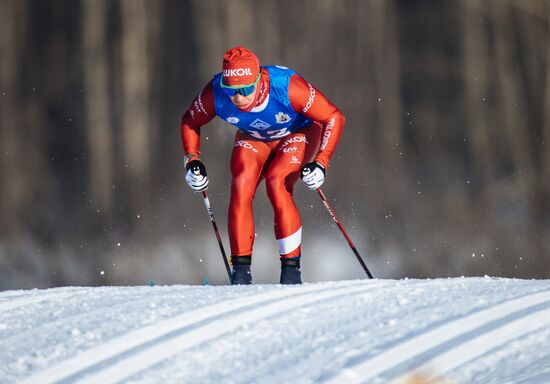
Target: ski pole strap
[[241, 260]]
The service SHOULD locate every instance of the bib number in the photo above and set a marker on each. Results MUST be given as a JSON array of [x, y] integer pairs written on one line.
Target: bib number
[[275, 134]]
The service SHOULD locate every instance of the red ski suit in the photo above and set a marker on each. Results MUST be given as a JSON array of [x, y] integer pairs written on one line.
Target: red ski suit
[[277, 161]]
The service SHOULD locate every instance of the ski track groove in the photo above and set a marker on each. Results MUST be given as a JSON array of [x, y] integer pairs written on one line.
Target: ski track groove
[[500, 378], [15, 294], [371, 368], [290, 375], [534, 376], [32, 299], [472, 349], [77, 365], [123, 301], [44, 326], [164, 350], [454, 344], [542, 377]]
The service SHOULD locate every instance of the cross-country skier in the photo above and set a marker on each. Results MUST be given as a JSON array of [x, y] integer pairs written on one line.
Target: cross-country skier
[[282, 122]]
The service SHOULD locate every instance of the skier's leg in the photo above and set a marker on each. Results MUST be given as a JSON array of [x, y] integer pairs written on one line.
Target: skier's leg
[[247, 161], [283, 172], [280, 177]]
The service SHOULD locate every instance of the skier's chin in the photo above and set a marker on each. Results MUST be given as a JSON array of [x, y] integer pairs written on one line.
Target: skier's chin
[[243, 106]]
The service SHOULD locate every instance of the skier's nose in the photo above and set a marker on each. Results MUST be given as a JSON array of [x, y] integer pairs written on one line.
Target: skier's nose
[[238, 98]]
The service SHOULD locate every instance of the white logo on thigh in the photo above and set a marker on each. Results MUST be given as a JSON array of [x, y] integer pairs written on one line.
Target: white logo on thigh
[[290, 150], [295, 160], [292, 140], [245, 145]]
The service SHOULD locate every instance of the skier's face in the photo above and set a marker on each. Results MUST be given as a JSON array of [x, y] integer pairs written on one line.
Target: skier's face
[[244, 102]]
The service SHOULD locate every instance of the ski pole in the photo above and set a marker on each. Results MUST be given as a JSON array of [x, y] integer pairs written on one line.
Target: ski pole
[[353, 248], [211, 214]]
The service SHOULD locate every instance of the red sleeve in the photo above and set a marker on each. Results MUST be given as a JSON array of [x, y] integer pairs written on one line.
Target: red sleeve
[[309, 101], [199, 113]]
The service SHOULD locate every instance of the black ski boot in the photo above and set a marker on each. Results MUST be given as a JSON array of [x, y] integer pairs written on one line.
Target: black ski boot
[[241, 270], [290, 271]]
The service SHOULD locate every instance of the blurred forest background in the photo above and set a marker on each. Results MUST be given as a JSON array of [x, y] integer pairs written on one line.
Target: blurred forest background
[[443, 168]]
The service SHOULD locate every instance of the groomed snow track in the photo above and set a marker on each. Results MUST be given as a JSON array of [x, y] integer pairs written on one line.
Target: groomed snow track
[[363, 331]]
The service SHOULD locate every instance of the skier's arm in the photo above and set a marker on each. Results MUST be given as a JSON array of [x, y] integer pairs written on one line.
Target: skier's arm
[[309, 101], [199, 113]]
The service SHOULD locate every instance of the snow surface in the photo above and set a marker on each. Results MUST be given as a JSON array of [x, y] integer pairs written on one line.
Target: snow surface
[[460, 330]]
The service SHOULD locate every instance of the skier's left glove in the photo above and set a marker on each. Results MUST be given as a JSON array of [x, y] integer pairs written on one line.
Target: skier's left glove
[[313, 175], [196, 175]]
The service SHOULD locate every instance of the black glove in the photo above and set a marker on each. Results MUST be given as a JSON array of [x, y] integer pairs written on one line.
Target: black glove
[[196, 175], [313, 175]]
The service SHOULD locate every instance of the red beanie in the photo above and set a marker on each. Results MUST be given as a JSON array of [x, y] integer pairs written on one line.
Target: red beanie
[[240, 66]]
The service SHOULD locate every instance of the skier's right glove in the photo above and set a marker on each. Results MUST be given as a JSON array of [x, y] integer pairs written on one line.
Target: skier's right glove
[[313, 175], [196, 175]]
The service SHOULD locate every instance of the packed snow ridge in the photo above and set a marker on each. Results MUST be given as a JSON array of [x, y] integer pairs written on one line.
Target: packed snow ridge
[[459, 330]]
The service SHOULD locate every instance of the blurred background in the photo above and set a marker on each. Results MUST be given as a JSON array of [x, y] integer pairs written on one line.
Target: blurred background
[[443, 168]]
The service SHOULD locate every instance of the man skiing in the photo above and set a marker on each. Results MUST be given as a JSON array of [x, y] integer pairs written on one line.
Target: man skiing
[[282, 123]]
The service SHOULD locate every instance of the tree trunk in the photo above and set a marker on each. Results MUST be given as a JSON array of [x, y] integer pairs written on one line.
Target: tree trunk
[[516, 132], [476, 80], [97, 103], [14, 184], [136, 119]]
